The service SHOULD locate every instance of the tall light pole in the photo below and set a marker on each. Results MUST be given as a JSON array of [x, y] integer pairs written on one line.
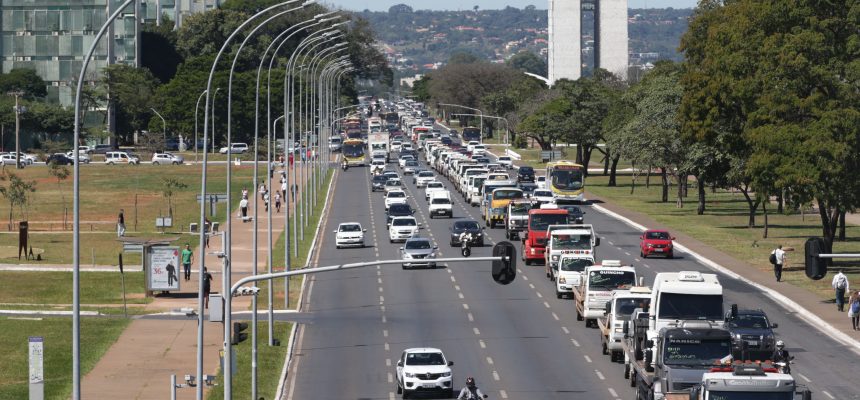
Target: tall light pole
[[76, 214], [507, 124], [163, 127], [481, 113], [17, 94], [197, 108], [212, 142]]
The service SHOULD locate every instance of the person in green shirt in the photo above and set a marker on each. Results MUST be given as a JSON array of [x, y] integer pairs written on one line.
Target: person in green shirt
[[187, 259]]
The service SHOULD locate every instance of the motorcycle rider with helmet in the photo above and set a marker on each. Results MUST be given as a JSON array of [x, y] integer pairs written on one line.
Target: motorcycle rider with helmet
[[466, 241], [781, 355], [471, 391]]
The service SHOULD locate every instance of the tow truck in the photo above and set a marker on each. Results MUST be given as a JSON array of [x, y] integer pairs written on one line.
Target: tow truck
[[618, 310], [596, 289], [748, 381]]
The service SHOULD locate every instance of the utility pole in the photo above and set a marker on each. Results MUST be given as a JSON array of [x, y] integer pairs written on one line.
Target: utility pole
[[17, 94]]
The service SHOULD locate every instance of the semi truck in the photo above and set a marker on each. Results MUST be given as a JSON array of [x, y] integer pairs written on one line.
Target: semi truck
[[618, 310], [748, 381], [596, 289]]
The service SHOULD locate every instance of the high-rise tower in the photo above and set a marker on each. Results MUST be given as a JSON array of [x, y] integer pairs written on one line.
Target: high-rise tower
[[565, 37]]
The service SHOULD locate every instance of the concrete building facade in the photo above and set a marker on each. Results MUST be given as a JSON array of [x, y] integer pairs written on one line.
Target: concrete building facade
[[52, 36], [565, 37]]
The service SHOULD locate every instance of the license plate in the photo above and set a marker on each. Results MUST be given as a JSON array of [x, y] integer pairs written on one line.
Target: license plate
[[752, 343], [428, 385], [658, 250]]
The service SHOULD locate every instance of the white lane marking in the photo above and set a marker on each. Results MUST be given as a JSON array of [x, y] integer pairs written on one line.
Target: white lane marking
[[482, 344], [379, 273], [587, 358], [600, 375], [637, 259], [387, 362], [519, 271], [539, 295], [546, 304], [457, 287], [381, 299], [380, 289], [465, 306], [460, 295], [503, 394], [449, 271], [566, 331], [384, 320], [627, 252], [532, 285], [495, 376], [471, 318], [828, 394], [554, 315], [805, 378], [477, 331], [613, 392], [525, 278], [379, 280], [391, 396], [390, 377], [490, 360], [575, 343], [387, 347], [611, 244], [385, 332], [382, 308], [453, 279], [646, 265]]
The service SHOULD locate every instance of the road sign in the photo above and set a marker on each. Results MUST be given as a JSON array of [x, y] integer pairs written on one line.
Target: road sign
[[163, 222], [132, 248], [550, 155], [216, 197], [37, 373]]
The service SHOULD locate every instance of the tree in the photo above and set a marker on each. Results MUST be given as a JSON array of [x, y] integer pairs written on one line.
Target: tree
[[463, 57], [528, 62], [25, 80], [17, 193], [548, 123], [158, 51], [132, 91], [61, 173], [171, 185]]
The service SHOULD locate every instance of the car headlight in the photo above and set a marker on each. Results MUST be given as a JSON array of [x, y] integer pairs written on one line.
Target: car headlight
[[650, 245], [446, 374], [561, 279], [409, 374], [555, 258]]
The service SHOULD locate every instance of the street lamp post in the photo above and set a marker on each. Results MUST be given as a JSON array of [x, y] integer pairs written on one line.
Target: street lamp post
[[197, 108], [17, 94], [163, 127], [481, 113], [507, 124]]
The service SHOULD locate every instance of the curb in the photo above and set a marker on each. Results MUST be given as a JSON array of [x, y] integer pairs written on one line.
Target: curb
[[39, 312], [801, 312]]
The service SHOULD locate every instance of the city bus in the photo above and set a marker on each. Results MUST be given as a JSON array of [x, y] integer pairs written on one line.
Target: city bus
[[353, 152], [566, 180], [471, 134], [374, 125]]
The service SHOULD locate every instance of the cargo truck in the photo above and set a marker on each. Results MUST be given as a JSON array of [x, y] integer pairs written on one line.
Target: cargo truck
[[596, 289], [747, 382]]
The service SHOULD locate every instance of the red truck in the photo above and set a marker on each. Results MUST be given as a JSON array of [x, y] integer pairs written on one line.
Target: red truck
[[534, 238]]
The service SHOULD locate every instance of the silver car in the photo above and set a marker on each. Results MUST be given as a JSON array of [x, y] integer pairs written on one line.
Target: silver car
[[167, 158], [419, 252]]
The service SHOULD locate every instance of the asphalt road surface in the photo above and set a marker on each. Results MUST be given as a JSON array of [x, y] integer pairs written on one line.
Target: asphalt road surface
[[519, 341]]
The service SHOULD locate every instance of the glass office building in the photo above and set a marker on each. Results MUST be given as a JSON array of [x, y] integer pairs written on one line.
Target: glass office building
[[52, 36]]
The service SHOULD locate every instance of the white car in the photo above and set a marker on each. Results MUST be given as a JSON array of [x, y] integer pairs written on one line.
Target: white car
[[540, 181], [506, 161], [403, 159], [440, 205], [393, 184], [395, 197], [167, 158], [396, 145], [26, 159], [422, 370], [402, 228], [432, 187], [410, 166], [235, 148], [543, 196], [423, 178], [83, 157], [479, 149], [349, 234], [471, 146], [406, 147], [9, 159], [377, 165]]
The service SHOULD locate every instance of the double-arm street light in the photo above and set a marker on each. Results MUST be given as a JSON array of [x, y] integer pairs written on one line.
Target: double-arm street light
[[507, 124], [480, 113]]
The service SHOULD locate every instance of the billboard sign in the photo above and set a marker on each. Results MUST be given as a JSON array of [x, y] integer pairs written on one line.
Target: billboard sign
[[162, 269]]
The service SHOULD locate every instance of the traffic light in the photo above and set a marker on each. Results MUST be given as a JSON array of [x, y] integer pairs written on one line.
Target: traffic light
[[239, 336], [504, 270], [816, 267]]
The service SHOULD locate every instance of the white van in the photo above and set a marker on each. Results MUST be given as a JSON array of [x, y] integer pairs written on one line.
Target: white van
[[121, 157]]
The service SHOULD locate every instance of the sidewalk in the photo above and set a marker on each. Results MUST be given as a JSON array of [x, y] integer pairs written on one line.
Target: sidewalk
[[823, 309], [139, 365]]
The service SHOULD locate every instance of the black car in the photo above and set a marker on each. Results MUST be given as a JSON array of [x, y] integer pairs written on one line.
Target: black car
[[446, 141], [576, 213], [468, 225], [378, 183], [752, 334], [397, 210], [528, 188], [525, 174], [59, 159]]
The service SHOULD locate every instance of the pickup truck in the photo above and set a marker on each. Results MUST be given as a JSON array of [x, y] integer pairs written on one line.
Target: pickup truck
[[618, 310], [596, 289], [568, 275]]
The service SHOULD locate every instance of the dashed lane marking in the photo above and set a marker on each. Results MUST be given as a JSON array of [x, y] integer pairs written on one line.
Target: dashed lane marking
[[460, 295], [387, 347], [613, 393], [826, 393], [457, 287], [471, 318], [490, 360], [387, 362], [532, 285], [555, 316], [503, 394], [380, 289], [539, 295], [495, 376], [600, 375], [465, 306], [805, 378], [381, 299], [477, 331], [453, 279], [546, 304], [575, 343], [525, 278], [390, 377], [646, 265], [384, 320], [566, 331], [587, 358], [385, 332], [482, 344], [391, 396]]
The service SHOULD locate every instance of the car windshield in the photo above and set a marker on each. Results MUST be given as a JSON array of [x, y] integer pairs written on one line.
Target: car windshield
[[470, 225], [411, 163], [441, 201], [520, 208], [404, 222], [611, 279], [399, 209], [571, 242], [425, 174], [719, 395], [350, 228], [690, 306], [505, 194], [539, 222], [625, 307], [396, 195], [527, 170], [749, 322], [417, 245], [657, 235], [575, 264], [690, 351], [543, 193], [435, 185], [392, 182]]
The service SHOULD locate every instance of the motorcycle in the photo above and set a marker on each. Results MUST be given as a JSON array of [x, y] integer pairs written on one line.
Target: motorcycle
[[784, 367], [466, 243], [345, 166]]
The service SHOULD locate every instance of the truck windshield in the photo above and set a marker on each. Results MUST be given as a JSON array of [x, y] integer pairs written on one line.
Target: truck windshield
[[575, 264], [507, 194], [624, 307], [611, 279], [379, 147], [571, 242], [691, 351], [520, 209], [690, 306], [539, 222], [750, 395]]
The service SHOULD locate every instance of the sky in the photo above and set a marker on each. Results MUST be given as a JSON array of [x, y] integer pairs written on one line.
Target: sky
[[383, 5]]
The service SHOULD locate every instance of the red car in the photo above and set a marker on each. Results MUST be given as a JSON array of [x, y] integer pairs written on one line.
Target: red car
[[656, 242]]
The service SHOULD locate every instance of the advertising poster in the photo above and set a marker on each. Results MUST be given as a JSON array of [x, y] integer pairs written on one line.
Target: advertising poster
[[163, 267]]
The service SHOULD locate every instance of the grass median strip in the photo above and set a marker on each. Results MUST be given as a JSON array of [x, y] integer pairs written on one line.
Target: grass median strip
[[98, 334], [56, 288], [724, 226], [270, 362]]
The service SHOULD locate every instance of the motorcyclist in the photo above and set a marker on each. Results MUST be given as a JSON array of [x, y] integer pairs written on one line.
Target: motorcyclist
[[781, 355], [345, 165], [471, 391], [466, 238]]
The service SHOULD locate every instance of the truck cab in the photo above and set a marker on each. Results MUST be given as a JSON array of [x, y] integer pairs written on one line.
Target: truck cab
[[596, 289], [568, 239], [748, 381], [619, 310], [517, 217], [534, 239], [498, 204], [568, 275]]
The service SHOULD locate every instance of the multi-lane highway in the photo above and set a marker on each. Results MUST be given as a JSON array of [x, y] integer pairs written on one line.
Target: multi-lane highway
[[518, 341]]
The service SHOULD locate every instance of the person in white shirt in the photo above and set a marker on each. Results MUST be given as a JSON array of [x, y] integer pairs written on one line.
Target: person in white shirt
[[243, 205], [779, 255], [840, 285]]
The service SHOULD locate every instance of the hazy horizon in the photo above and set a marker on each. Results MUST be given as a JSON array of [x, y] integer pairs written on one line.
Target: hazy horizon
[[384, 5]]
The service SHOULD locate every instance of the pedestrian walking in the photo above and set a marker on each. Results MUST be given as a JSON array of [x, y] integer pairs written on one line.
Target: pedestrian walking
[[295, 189], [854, 310], [244, 193], [120, 223], [283, 187], [243, 206], [840, 285], [263, 191], [187, 259], [777, 258], [206, 230], [207, 287], [266, 201], [291, 160], [277, 202]]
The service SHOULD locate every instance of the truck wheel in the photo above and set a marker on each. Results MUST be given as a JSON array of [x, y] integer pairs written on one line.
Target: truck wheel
[[558, 294]]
